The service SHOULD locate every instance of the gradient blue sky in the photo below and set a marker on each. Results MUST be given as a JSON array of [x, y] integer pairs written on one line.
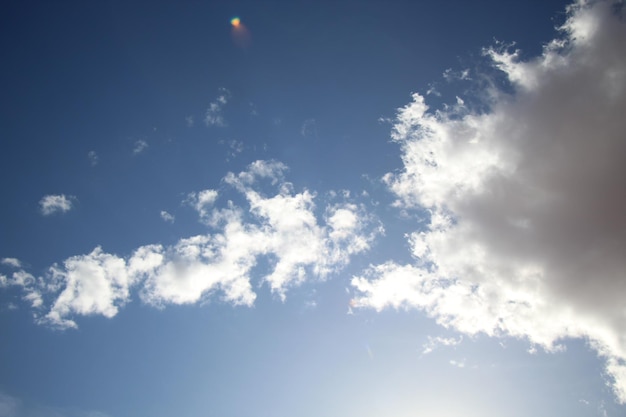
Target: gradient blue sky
[[201, 220]]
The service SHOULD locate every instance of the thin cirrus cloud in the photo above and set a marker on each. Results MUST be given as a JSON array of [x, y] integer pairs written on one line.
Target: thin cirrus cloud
[[283, 228], [527, 233], [51, 204]]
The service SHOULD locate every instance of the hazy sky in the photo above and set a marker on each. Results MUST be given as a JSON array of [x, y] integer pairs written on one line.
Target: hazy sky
[[322, 209]]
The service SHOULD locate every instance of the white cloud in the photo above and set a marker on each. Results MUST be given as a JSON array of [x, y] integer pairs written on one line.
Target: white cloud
[[93, 158], [200, 265], [202, 202], [458, 364], [213, 115], [167, 217], [189, 121], [21, 278], [291, 233], [51, 204], [13, 262], [140, 146], [451, 75], [96, 283], [434, 342], [527, 233], [282, 229]]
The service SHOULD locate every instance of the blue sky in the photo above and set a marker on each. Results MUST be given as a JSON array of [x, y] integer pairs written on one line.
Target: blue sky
[[334, 208]]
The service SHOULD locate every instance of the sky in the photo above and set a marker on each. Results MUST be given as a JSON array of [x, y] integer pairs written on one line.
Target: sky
[[313, 208]]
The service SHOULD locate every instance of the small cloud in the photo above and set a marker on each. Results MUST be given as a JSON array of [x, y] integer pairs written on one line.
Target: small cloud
[[202, 201], [224, 95], [213, 116], [93, 158], [458, 364], [51, 204], [140, 146], [235, 147], [432, 90], [309, 128], [189, 120], [434, 342], [167, 217], [253, 109], [450, 75], [12, 262], [28, 284]]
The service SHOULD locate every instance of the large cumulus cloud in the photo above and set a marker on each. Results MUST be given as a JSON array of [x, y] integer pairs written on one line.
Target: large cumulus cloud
[[526, 201]]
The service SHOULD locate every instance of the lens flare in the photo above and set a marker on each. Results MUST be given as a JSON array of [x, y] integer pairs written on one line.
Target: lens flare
[[239, 33]]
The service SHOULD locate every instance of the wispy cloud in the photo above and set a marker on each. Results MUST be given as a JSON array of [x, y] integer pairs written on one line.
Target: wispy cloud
[[51, 204], [282, 229], [434, 342], [527, 232], [458, 363], [140, 146], [20, 278], [253, 109], [309, 128], [189, 120], [213, 115], [235, 147], [93, 158], [452, 75]]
